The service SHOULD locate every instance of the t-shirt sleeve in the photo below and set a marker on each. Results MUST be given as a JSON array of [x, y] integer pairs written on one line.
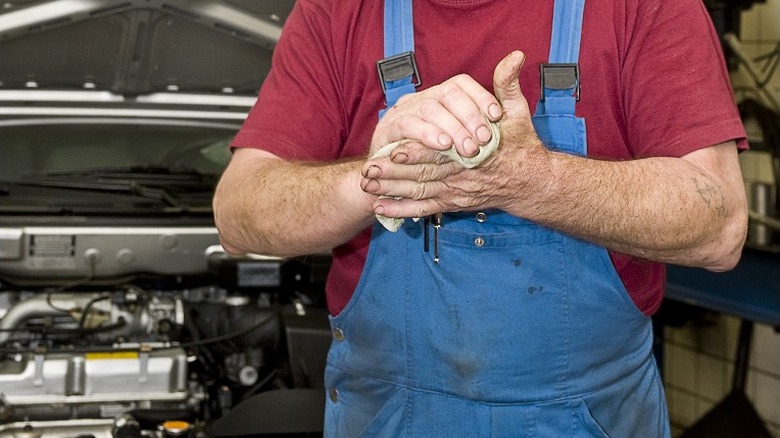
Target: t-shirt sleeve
[[298, 113], [677, 93]]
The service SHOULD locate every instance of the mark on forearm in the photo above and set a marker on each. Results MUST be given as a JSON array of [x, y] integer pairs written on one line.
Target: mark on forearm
[[711, 195]]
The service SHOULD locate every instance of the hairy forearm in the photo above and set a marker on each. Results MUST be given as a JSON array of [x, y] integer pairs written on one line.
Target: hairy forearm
[[275, 207], [662, 209]]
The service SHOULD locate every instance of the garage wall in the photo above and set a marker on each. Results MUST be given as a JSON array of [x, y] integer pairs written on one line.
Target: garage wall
[[699, 358]]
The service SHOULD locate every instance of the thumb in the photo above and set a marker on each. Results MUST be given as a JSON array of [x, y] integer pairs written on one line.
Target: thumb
[[506, 84]]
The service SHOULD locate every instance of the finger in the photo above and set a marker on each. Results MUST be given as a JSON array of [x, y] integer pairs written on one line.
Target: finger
[[487, 103], [441, 117], [398, 124], [409, 181], [469, 128], [506, 84], [400, 188], [404, 208], [415, 153]]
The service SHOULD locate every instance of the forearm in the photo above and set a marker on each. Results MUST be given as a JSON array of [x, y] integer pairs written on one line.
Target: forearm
[[662, 209], [282, 208], [689, 210]]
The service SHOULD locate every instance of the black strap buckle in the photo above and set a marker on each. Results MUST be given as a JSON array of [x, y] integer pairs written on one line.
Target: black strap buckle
[[561, 77], [397, 67]]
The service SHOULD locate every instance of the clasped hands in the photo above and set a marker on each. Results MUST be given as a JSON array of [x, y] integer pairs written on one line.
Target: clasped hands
[[415, 180]]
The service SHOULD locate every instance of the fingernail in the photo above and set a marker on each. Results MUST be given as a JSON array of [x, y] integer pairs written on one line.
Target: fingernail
[[373, 171], [494, 111], [400, 158], [470, 146], [369, 185], [444, 140], [483, 134], [379, 209]]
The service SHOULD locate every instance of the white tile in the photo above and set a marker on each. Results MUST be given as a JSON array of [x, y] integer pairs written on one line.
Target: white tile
[[712, 339], [769, 23], [751, 386], [765, 351], [680, 367], [732, 324], [728, 369], [767, 398], [703, 407], [684, 412], [763, 167], [765, 171], [711, 379], [749, 25], [685, 336], [749, 162]]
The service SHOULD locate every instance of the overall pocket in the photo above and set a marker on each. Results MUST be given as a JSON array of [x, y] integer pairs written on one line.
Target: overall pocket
[[566, 418], [360, 407]]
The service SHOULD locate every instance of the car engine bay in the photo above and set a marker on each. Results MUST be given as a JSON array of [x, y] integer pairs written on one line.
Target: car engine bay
[[115, 353]]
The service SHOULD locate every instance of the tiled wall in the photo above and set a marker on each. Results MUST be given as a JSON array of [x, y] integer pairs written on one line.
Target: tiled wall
[[699, 367], [699, 358]]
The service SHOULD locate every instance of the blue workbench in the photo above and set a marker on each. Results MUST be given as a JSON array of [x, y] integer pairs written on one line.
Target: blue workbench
[[750, 291]]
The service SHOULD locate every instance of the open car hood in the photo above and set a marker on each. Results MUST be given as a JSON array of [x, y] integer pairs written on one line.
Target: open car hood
[[133, 47]]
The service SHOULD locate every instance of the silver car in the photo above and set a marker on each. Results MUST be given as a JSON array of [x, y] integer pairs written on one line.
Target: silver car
[[120, 314]]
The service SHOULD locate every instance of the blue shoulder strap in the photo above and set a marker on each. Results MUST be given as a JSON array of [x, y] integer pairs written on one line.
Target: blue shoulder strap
[[561, 75], [398, 70], [566, 31], [398, 27]]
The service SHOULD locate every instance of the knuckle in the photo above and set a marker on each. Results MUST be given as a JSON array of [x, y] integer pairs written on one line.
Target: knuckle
[[423, 210], [448, 89], [460, 135], [402, 100], [419, 191], [461, 77], [400, 123], [427, 108], [427, 172], [474, 119]]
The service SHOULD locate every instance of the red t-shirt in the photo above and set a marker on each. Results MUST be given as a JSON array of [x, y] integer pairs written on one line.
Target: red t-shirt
[[653, 84]]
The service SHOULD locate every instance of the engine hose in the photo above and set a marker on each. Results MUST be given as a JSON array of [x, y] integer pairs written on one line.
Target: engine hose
[[126, 426]]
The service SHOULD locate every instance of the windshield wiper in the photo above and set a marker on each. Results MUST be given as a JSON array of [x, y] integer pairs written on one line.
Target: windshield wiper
[[130, 187], [153, 172]]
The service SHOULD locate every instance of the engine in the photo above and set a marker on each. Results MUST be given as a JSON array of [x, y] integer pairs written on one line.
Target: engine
[[157, 355]]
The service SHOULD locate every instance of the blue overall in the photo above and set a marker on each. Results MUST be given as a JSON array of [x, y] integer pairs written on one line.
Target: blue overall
[[518, 331]]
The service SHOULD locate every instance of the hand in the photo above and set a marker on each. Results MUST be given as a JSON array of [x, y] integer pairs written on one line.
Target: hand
[[419, 181], [446, 115]]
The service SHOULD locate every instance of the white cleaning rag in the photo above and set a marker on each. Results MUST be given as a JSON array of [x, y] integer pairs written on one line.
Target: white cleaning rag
[[393, 224]]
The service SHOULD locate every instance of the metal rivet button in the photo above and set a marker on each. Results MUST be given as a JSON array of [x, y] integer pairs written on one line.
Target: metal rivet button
[[481, 217], [479, 241], [338, 334], [334, 395]]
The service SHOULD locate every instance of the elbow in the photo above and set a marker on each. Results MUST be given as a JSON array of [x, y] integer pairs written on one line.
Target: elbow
[[728, 243], [226, 222], [228, 246], [725, 262]]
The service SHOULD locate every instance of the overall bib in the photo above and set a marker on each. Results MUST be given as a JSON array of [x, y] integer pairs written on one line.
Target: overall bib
[[518, 330]]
